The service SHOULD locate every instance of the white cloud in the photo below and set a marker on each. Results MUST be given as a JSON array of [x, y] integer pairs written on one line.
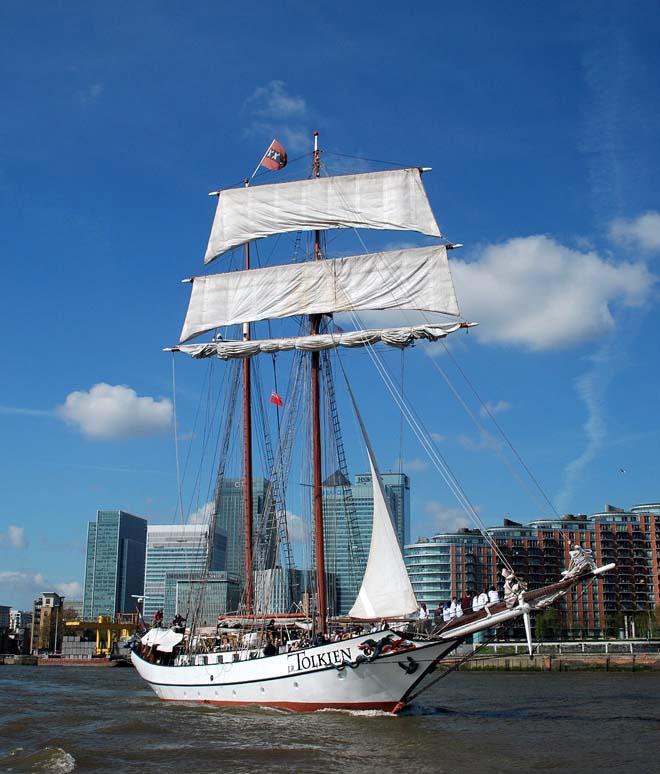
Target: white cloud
[[17, 411], [272, 111], [273, 101], [14, 537], [437, 437], [485, 441], [415, 465], [20, 588], [643, 231], [492, 409], [535, 292], [591, 388], [71, 590], [296, 528], [444, 518], [91, 93], [202, 515], [115, 411]]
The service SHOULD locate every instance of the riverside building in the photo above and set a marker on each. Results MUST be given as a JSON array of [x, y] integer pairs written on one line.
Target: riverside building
[[114, 567], [623, 602], [47, 623], [449, 565]]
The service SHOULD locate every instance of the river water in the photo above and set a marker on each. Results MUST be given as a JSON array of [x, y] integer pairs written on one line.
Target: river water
[[57, 719]]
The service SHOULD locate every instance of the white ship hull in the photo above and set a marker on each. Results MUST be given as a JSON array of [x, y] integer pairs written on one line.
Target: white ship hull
[[304, 680]]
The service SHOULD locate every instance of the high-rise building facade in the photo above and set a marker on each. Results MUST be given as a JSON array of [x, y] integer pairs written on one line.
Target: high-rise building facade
[[114, 568], [230, 522], [348, 535], [181, 549], [201, 596]]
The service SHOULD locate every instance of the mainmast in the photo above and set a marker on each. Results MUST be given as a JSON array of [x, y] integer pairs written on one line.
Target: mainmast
[[319, 546], [247, 456]]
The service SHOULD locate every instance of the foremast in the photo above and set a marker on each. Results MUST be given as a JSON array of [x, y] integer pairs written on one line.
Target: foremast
[[319, 538], [247, 456]]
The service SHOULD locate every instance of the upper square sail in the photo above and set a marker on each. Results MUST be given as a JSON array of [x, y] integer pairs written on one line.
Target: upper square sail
[[412, 278], [394, 199]]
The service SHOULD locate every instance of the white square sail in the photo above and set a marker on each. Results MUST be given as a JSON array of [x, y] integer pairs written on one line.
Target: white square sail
[[413, 278], [394, 199]]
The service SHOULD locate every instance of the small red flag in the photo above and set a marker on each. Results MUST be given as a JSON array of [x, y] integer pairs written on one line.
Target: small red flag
[[275, 398], [275, 157]]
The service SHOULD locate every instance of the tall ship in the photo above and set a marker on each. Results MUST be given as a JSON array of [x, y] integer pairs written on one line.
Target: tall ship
[[303, 654]]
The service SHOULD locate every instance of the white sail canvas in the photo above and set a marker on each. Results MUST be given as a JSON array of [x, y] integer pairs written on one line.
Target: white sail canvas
[[386, 591], [394, 199], [413, 278]]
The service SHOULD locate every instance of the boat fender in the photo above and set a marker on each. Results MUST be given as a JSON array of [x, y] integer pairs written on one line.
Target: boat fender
[[410, 667]]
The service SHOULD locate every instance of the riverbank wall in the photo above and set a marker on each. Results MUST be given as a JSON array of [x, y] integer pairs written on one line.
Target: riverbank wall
[[572, 663], [11, 660]]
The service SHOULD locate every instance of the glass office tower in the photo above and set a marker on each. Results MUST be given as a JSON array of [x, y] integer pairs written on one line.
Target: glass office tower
[[182, 549], [114, 568]]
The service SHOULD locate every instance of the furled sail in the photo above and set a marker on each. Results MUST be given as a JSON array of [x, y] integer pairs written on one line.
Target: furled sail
[[395, 337], [413, 278], [394, 199]]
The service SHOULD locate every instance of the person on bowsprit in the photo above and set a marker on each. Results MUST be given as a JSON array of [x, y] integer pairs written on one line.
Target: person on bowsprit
[[483, 599], [512, 587], [582, 560], [493, 595], [446, 613]]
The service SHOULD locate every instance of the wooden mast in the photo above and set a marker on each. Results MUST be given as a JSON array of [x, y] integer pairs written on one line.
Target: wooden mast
[[319, 545], [247, 457]]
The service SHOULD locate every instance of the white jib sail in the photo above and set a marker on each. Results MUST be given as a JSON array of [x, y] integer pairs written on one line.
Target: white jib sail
[[386, 591], [394, 199], [412, 278]]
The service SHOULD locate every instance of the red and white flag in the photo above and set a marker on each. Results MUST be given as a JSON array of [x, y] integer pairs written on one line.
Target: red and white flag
[[276, 399], [275, 157]]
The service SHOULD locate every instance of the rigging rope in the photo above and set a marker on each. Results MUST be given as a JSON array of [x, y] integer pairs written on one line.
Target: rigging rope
[[425, 316], [484, 406], [423, 435]]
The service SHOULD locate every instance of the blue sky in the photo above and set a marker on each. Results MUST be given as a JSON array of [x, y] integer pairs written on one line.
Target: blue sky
[[540, 122]]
